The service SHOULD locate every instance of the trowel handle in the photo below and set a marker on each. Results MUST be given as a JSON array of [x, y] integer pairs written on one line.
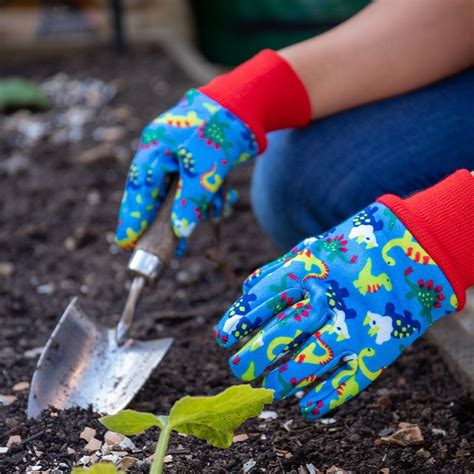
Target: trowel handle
[[158, 245], [160, 238]]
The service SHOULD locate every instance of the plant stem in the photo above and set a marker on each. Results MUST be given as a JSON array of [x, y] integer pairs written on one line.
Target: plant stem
[[160, 451]]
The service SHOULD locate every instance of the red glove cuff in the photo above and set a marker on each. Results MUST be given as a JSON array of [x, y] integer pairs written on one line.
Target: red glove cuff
[[441, 218], [265, 93]]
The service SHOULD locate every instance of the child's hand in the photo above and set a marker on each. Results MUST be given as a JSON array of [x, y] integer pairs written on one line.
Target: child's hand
[[201, 141], [207, 133], [350, 300]]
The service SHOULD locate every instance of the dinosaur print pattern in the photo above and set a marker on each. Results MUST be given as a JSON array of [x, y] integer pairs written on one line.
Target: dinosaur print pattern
[[365, 225], [369, 283], [391, 324], [428, 294], [210, 180], [412, 249], [310, 263], [310, 355], [200, 141], [335, 299], [181, 121], [340, 309], [236, 324], [334, 247]]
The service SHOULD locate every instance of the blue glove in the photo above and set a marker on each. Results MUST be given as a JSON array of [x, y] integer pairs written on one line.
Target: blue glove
[[201, 141], [349, 301]]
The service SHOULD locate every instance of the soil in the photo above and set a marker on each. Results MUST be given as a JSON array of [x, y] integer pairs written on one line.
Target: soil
[[52, 201]]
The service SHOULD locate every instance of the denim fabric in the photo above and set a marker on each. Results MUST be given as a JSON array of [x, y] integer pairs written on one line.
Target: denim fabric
[[311, 179]]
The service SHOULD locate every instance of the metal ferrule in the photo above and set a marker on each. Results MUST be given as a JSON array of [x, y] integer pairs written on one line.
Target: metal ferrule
[[146, 265]]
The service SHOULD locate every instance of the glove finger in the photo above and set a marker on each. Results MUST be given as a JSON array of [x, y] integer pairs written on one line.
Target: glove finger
[[260, 273], [195, 193], [318, 356], [284, 333], [231, 197], [145, 190], [205, 158], [332, 392], [271, 296], [243, 317], [181, 247], [223, 202]]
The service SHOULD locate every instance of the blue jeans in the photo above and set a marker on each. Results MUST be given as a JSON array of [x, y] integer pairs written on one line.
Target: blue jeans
[[311, 179]]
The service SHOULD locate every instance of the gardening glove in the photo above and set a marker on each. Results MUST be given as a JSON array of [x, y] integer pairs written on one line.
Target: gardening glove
[[348, 302], [203, 137]]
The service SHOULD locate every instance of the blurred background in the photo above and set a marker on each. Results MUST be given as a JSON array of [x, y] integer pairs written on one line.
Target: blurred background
[[67, 59], [64, 60], [225, 32]]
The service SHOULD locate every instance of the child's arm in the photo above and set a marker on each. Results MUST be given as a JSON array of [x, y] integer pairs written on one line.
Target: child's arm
[[389, 48]]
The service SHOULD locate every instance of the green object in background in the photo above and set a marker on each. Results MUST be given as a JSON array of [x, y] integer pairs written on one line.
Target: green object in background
[[229, 32], [18, 94]]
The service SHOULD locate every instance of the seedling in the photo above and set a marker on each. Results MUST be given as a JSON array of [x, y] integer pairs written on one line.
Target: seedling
[[213, 419]]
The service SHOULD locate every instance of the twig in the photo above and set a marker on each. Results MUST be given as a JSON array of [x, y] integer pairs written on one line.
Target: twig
[[32, 437], [179, 451], [215, 254]]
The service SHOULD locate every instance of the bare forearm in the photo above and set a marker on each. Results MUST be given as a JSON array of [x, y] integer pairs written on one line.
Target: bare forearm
[[391, 47]]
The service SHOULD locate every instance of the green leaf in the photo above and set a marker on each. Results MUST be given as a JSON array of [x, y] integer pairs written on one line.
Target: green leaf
[[20, 93], [216, 418], [131, 422], [105, 468]]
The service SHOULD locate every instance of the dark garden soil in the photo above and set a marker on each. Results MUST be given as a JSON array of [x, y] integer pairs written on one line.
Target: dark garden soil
[[57, 219]]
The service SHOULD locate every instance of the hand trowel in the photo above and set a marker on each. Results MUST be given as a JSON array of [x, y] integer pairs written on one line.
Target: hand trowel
[[86, 363]]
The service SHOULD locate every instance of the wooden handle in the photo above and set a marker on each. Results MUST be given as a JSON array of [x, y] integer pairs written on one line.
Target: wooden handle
[[160, 238]]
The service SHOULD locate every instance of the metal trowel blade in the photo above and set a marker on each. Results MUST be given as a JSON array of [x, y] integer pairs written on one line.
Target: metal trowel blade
[[82, 365]]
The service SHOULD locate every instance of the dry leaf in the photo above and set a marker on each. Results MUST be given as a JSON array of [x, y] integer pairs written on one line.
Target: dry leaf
[[87, 433], [15, 439], [20, 386], [336, 470], [7, 400], [127, 462], [111, 438], [93, 445], [409, 434]]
